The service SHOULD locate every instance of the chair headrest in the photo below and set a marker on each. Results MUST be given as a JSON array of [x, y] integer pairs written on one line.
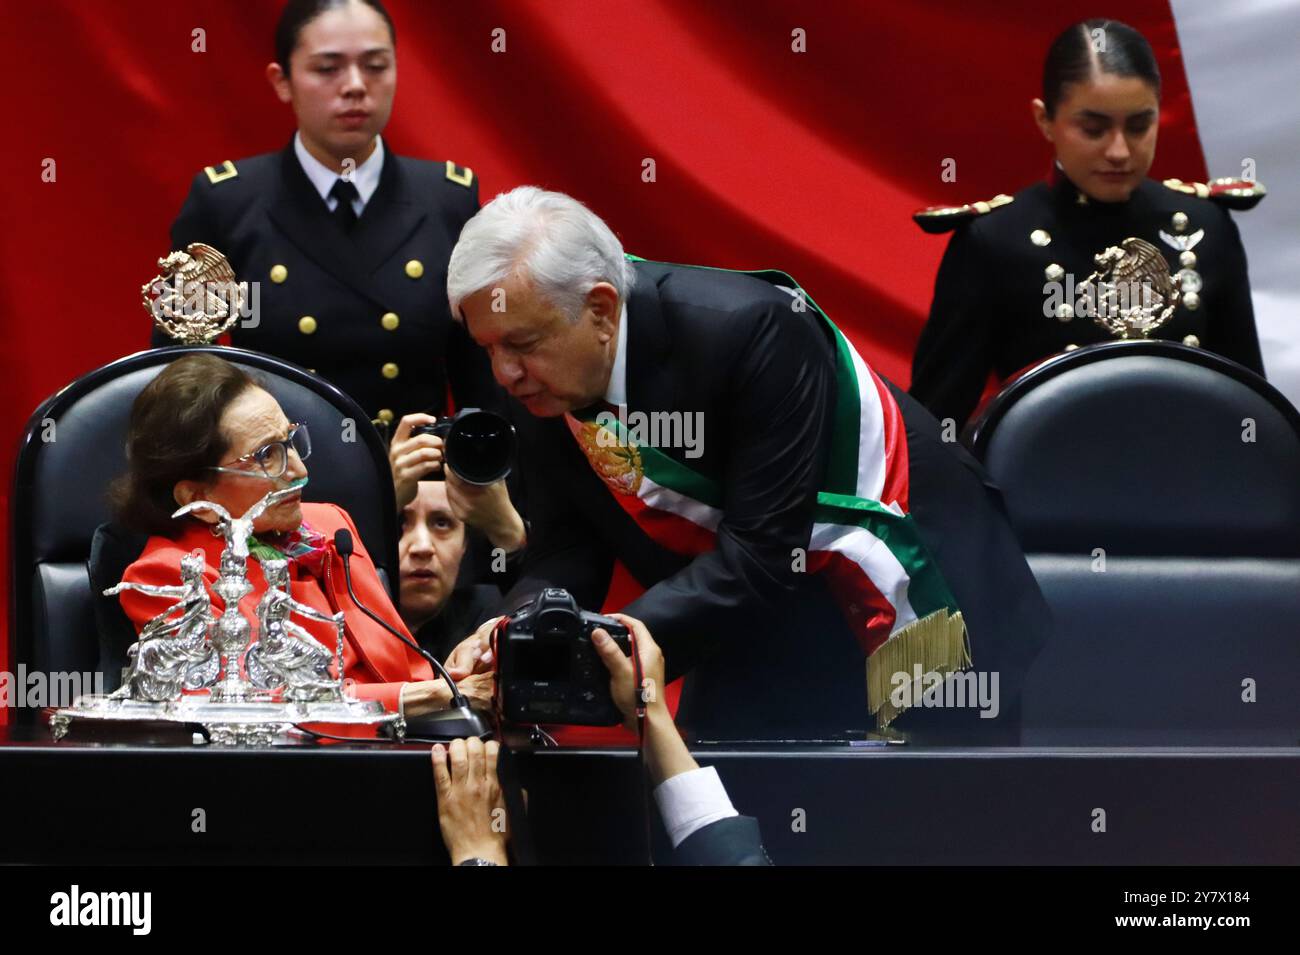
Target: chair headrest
[[1146, 448], [66, 476]]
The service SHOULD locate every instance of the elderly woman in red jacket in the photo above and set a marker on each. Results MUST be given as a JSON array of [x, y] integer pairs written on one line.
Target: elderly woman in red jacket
[[204, 430]]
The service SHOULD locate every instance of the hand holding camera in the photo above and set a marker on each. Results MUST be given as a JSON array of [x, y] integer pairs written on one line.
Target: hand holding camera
[[412, 455], [547, 667], [665, 753], [472, 452], [622, 675]]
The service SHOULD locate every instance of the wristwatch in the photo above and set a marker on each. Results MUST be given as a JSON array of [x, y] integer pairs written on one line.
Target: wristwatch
[[477, 861]]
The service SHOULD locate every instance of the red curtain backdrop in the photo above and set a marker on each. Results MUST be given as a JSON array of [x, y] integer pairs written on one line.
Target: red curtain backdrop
[[810, 162]]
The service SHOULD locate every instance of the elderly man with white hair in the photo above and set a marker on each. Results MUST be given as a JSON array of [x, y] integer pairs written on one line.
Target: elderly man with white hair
[[781, 503]]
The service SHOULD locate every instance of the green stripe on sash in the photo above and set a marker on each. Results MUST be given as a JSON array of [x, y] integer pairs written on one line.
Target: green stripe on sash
[[927, 591], [667, 471]]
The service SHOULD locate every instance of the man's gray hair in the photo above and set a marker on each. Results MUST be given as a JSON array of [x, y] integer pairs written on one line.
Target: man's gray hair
[[550, 239]]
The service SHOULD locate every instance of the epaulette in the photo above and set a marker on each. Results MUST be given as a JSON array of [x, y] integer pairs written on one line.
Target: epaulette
[[1236, 194], [221, 173], [937, 219], [461, 175]]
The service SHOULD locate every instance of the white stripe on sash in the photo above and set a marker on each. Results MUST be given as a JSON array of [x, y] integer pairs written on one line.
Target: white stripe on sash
[[876, 560], [666, 499], [871, 431], [871, 424]]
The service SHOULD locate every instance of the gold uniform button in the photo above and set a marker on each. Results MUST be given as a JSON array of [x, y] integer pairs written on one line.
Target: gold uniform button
[[389, 370], [386, 415], [306, 324], [390, 321], [415, 268], [279, 273]]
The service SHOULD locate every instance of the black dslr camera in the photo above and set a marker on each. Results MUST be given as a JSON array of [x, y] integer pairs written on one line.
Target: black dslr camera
[[477, 444], [547, 667]]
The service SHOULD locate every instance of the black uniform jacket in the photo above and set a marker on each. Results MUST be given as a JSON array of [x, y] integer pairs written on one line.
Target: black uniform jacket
[[989, 298], [769, 652], [365, 310]]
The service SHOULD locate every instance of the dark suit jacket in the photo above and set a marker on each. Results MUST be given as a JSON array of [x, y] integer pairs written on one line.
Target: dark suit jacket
[[732, 841], [269, 214], [769, 652]]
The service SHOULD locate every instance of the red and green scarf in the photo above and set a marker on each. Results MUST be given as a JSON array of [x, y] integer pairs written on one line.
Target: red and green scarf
[[863, 540], [305, 547]]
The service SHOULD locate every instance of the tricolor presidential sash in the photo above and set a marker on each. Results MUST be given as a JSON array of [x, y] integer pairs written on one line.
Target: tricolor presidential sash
[[863, 540]]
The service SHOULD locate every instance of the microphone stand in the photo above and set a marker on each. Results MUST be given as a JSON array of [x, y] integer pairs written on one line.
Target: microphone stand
[[458, 721]]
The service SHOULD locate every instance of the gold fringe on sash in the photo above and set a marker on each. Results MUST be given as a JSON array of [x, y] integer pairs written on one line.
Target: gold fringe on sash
[[938, 642]]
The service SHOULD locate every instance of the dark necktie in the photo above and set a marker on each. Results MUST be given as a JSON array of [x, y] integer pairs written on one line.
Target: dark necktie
[[343, 213]]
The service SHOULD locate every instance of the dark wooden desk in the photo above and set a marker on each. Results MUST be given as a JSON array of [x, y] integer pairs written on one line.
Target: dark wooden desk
[[77, 803]]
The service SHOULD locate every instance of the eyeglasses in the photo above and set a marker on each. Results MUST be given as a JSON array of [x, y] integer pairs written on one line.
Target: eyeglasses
[[272, 459]]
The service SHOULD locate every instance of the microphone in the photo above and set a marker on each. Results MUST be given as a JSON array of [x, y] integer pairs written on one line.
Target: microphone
[[457, 721]]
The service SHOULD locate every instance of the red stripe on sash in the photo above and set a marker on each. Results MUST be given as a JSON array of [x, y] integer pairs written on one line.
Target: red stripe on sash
[[869, 615], [669, 530], [896, 483]]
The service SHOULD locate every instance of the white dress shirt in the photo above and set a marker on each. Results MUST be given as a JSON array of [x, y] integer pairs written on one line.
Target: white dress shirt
[[692, 800], [365, 177], [616, 393]]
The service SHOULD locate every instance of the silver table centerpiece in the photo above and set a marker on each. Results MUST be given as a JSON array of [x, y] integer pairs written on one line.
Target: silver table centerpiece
[[290, 682]]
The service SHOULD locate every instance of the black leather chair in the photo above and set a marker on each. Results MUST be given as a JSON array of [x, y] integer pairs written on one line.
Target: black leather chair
[[1156, 490], [74, 445]]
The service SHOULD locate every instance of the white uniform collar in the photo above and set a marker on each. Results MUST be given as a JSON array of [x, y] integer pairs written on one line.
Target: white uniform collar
[[616, 393], [365, 177]]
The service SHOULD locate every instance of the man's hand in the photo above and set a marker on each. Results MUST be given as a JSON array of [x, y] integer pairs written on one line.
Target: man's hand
[[474, 653], [666, 755], [471, 808], [488, 508], [622, 682], [411, 458]]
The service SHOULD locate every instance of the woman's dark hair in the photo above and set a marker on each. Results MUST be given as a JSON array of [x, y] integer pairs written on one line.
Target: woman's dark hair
[[173, 436], [1124, 52], [298, 13]]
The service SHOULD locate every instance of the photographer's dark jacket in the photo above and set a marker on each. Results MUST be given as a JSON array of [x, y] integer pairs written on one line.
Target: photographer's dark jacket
[[366, 309], [767, 648]]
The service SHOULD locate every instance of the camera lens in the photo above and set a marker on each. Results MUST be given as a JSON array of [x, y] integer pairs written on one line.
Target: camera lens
[[480, 446]]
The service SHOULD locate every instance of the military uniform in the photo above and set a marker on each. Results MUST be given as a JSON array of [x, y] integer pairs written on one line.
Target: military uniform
[[365, 308], [994, 309]]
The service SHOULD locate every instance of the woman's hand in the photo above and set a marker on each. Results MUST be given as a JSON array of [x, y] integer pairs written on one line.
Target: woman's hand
[[430, 696], [471, 807], [488, 508], [411, 458], [425, 696], [474, 653], [478, 689]]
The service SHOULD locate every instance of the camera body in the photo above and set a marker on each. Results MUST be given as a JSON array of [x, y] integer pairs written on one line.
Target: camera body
[[547, 667]]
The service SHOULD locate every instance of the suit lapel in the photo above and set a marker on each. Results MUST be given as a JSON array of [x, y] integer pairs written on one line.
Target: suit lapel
[[649, 373]]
